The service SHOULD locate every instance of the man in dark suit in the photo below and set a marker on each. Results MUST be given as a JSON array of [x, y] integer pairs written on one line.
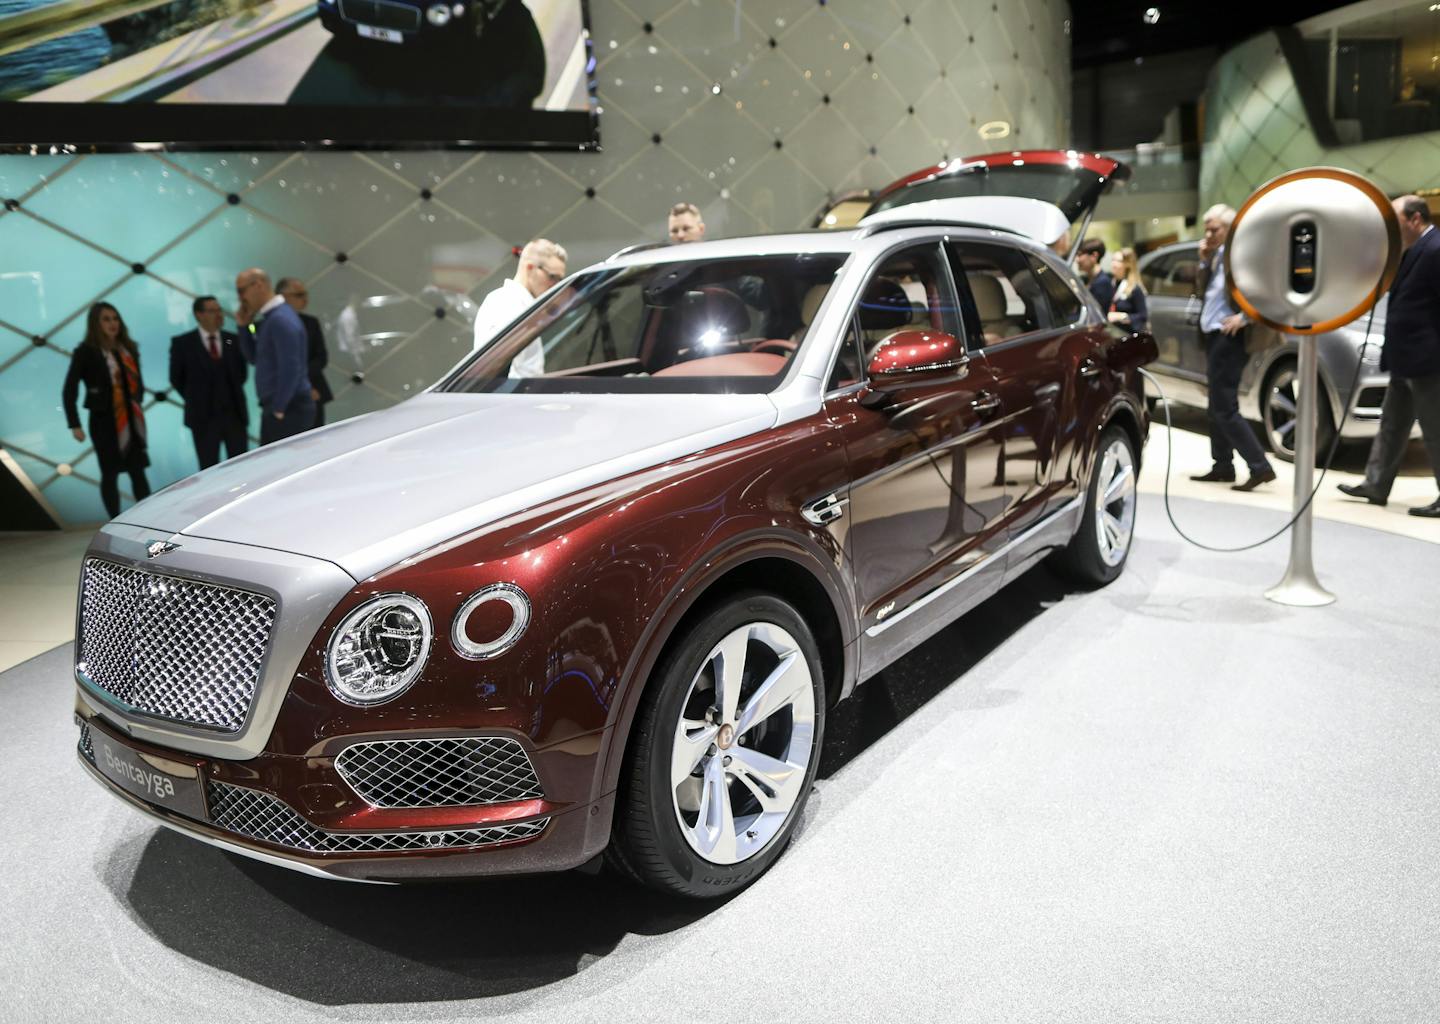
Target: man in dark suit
[[296, 295], [1412, 357], [208, 372], [276, 343]]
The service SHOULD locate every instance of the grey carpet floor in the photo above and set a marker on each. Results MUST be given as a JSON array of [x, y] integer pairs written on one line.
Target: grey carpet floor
[[1168, 800]]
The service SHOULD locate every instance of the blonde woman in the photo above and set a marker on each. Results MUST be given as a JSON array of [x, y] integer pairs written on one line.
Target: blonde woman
[[1128, 308]]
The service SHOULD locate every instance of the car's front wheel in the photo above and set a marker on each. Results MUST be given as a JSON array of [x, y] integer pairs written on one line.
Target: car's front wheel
[[724, 750]]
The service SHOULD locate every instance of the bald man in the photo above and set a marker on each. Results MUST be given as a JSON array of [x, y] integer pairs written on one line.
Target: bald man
[[278, 346]]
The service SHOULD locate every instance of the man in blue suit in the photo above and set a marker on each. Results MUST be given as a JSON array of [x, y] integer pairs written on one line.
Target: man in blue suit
[[1412, 357], [278, 346], [208, 372]]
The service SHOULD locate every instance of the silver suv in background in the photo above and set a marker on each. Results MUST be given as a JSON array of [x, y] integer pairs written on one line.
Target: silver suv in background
[[1268, 386]]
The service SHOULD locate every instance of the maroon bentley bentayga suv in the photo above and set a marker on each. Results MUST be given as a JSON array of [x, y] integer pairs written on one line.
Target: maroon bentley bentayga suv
[[600, 600]]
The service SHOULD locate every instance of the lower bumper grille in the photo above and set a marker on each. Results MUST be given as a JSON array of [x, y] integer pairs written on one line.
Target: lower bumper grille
[[86, 746], [257, 815], [460, 772]]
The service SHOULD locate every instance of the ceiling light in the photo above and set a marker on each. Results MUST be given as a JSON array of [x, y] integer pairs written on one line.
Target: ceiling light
[[1152, 15]]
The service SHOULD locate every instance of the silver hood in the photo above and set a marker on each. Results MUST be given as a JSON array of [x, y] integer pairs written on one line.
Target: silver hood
[[367, 492]]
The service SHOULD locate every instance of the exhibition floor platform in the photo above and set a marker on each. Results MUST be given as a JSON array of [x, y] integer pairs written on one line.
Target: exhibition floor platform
[[1166, 800]]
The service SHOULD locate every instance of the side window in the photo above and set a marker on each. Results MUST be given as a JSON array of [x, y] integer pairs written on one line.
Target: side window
[[1009, 301], [1065, 305], [1156, 273], [909, 292], [1181, 280], [849, 368]]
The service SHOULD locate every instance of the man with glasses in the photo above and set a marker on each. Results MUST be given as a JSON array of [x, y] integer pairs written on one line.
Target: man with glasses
[[297, 298], [542, 266], [277, 346]]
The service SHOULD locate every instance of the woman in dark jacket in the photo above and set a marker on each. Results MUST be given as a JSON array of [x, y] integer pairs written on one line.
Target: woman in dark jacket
[[107, 363], [1129, 307]]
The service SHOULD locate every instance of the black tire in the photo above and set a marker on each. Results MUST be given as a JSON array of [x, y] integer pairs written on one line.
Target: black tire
[[1083, 560], [1273, 417], [647, 842]]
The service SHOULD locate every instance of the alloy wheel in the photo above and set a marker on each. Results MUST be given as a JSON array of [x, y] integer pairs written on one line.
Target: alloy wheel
[[1282, 400], [1115, 502], [743, 744]]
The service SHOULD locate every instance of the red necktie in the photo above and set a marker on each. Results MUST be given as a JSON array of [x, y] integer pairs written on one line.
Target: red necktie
[[211, 341]]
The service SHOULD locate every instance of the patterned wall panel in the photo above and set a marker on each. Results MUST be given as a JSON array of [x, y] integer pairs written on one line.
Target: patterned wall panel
[[758, 112], [1256, 128]]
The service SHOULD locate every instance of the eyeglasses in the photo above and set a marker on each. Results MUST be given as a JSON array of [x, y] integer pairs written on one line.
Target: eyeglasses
[[294, 294], [554, 277]]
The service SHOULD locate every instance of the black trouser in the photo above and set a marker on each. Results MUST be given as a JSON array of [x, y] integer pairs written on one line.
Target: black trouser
[[299, 417], [209, 435], [319, 414], [1406, 400], [1225, 361]]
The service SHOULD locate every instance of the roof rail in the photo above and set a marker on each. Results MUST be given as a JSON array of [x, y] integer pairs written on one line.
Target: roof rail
[[637, 247]]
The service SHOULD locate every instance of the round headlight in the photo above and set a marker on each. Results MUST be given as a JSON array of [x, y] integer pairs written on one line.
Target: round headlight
[[439, 14], [378, 649], [504, 594]]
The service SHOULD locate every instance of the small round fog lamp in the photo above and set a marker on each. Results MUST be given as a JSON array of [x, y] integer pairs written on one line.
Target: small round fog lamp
[[487, 608], [438, 14]]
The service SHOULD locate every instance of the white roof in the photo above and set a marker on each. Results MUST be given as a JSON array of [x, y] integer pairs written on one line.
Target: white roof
[[1033, 218]]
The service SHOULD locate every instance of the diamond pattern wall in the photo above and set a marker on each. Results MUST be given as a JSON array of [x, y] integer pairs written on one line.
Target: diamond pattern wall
[[757, 112], [1256, 128]]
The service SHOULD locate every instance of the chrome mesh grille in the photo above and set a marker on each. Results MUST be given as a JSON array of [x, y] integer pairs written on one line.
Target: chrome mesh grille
[[382, 14], [454, 772], [171, 647], [260, 816]]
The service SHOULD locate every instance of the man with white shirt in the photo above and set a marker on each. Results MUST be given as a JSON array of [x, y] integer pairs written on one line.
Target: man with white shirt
[[1412, 357], [1223, 329], [542, 266], [207, 371], [276, 342]]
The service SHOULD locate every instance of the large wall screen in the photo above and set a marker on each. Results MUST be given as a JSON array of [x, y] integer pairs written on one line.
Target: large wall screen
[[113, 74]]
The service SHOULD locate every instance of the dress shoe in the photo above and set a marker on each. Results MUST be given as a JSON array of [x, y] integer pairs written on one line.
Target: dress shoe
[[1364, 490], [1216, 476], [1263, 476], [1430, 511]]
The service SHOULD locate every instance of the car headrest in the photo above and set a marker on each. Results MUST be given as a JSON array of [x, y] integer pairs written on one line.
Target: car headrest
[[989, 297], [884, 306], [810, 304], [716, 309]]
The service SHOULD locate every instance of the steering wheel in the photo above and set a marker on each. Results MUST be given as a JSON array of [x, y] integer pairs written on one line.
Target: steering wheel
[[780, 346]]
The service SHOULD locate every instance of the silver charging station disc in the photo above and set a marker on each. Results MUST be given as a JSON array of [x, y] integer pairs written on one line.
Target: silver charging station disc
[[1356, 250]]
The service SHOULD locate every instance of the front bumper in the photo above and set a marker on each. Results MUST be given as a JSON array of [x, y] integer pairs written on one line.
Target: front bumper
[[244, 812]]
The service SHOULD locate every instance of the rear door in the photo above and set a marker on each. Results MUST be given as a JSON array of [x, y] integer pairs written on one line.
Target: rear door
[[1026, 317]]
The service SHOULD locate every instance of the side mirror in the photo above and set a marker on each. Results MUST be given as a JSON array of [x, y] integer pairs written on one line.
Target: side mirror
[[908, 356]]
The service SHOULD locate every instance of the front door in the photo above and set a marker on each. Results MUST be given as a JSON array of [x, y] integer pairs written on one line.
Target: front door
[[927, 499]]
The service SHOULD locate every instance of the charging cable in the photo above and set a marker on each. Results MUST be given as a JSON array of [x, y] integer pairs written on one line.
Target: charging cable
[[1334, 447]]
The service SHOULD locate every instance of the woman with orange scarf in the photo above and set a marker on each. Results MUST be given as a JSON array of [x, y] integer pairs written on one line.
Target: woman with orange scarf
[[107, 363]]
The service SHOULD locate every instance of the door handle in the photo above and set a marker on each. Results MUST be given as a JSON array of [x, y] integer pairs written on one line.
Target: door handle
[[1047, 392], [985, 402], [1090, 368]]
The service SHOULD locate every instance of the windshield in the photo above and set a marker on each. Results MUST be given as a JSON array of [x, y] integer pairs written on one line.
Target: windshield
[[729, 325], [1069, 188]]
